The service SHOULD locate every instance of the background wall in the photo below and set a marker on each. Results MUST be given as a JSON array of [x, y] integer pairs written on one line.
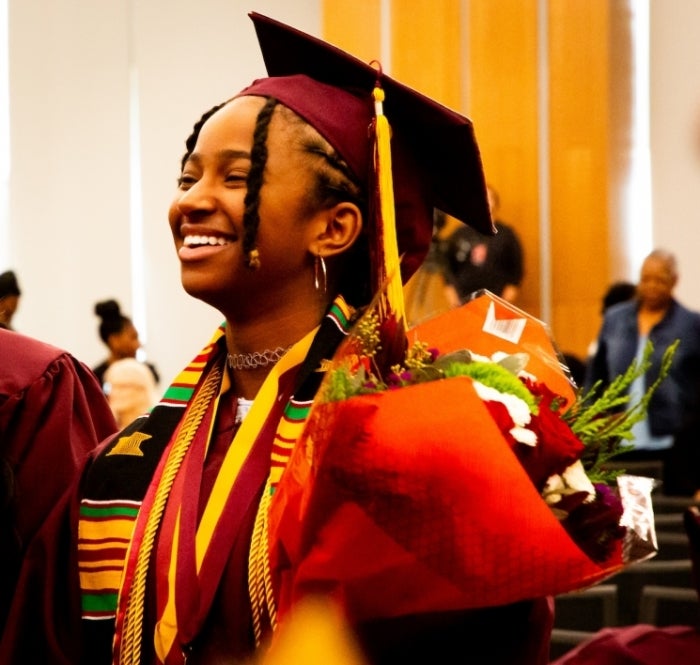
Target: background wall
[[73, 68], [89, 80], [675, 136]]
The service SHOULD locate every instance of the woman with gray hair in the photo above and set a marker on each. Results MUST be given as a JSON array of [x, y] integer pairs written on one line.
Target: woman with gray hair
[[656, 316]]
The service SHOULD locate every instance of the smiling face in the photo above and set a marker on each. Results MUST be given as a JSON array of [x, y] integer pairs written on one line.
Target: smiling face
[[206, 217]]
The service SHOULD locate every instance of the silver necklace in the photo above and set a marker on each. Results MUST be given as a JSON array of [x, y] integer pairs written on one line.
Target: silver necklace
[[256, 359]]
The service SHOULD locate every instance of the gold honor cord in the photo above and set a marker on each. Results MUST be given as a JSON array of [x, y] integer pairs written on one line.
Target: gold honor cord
[[259, 575], [132, 630]]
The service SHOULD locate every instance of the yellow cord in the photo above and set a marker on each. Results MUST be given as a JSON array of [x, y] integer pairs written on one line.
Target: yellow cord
[[132, 631], [390, 271], [259, 575]]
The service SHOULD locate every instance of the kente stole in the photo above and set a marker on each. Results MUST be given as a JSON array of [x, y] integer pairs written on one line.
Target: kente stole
[[129, 470]]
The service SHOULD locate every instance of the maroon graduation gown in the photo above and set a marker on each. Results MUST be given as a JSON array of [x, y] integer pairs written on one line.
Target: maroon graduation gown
[[45, 625], [52, 413]]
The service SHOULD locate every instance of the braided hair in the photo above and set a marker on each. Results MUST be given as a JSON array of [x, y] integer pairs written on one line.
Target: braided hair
[[334, 183], [191, 140], [251, 217], [251, 203]]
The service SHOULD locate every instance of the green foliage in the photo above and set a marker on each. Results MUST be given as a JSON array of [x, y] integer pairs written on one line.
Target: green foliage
[[342, 383], [495, 376], [603, 421]]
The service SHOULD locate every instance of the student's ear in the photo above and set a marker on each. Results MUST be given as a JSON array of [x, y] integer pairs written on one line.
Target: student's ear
[[338, 229]]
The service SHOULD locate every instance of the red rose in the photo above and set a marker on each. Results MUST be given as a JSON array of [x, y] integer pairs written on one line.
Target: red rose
[[557, 446]]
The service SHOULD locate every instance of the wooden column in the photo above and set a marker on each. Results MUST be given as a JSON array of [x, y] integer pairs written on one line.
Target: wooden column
[[353, 26], [579, 140], [484, 58], [503, 103]]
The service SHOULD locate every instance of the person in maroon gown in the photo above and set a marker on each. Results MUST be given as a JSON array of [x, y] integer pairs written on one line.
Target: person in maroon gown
[[52, 414], [275, 223]]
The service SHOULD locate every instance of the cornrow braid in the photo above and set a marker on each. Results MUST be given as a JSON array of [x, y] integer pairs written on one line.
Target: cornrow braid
[[192, 138], [339, 181], [251, 203], [333, 183]]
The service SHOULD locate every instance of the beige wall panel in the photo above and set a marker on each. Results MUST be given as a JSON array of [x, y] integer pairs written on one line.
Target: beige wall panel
[[426, 39], [621, 132], [500, 71], [502, 102], [353, 25], [576, 264], [426, 47], [578, 139]]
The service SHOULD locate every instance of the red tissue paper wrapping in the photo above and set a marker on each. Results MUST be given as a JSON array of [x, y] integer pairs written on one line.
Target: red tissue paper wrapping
[[412, 500]]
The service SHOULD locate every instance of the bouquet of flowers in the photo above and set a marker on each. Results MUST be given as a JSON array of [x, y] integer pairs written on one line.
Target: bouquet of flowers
[[471, 473]]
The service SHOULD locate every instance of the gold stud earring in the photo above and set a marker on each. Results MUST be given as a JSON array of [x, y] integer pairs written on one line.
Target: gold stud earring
[[253, 261]]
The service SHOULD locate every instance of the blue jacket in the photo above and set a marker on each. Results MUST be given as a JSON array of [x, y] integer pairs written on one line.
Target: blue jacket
[[676, 402]]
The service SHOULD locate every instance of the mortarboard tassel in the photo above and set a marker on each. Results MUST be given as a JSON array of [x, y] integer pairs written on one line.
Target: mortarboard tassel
[[388, 268], [389, 298]]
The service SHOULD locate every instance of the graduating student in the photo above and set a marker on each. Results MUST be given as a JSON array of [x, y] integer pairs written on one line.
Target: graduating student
[[277, 225]]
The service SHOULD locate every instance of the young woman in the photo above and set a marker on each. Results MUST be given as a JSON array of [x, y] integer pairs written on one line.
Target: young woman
[[275, 226], [119, 335]]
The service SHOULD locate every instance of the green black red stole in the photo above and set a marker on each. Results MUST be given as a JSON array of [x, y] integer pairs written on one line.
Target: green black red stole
[[129, 471]]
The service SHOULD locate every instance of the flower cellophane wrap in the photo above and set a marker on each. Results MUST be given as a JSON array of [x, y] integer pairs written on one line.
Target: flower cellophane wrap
[[410, 500]]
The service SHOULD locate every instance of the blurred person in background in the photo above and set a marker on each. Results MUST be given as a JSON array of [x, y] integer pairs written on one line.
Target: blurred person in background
[[9, 298], [119, 335], [52, 414], [130, 389], [477, 261], [425, 292], [617, 292], [669, 434]]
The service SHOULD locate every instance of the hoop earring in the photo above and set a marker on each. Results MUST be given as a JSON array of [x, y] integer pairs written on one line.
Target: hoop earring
[[320, 275]]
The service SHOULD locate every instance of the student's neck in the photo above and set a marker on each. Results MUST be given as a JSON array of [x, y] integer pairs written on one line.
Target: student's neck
[[266, 335]]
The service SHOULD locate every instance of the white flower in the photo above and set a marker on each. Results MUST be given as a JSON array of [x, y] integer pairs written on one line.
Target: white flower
[[574, 479], [553, 490], [524, 435], [517, 408]]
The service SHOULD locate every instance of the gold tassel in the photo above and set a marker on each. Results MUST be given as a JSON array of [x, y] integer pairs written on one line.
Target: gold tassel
[[389, 272]]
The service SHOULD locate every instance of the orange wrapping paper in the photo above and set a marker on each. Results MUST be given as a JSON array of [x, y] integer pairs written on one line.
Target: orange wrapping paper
[[416, 506], [411, 500], [489, 324]]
